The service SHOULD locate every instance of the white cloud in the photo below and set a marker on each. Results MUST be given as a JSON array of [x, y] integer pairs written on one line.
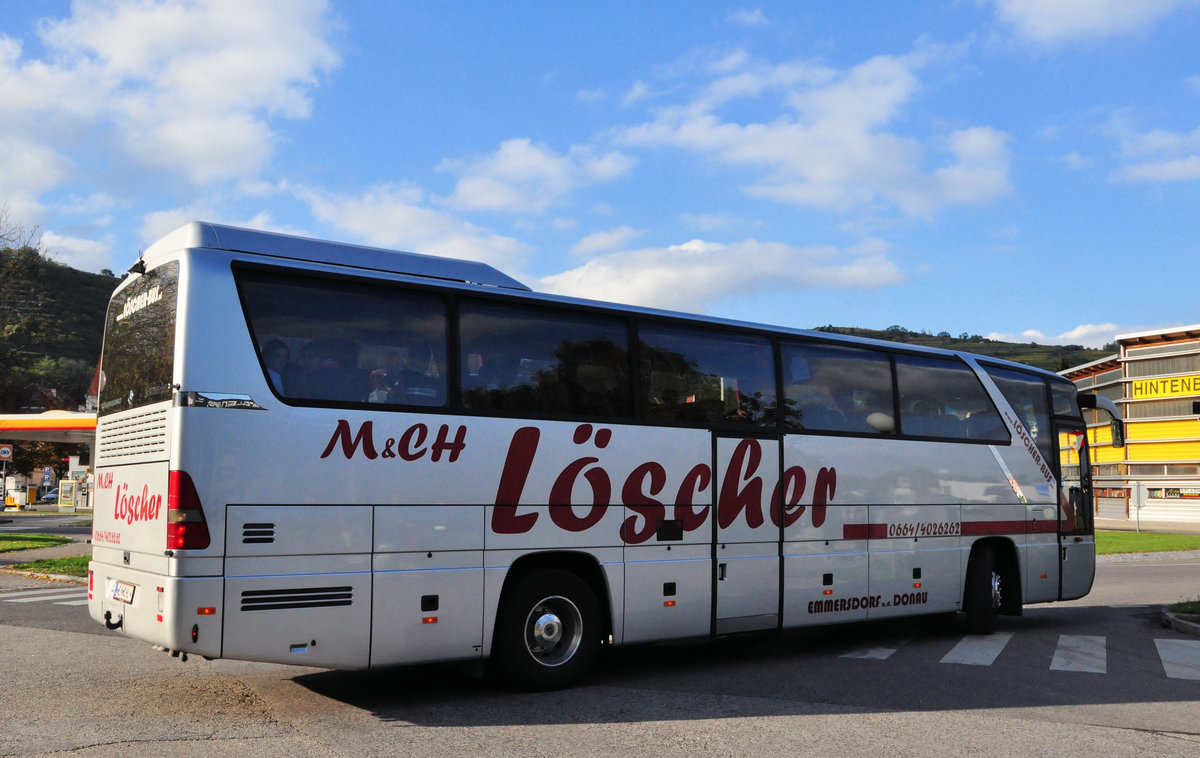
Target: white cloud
[[187, 87], [748, 17], [831, 147], [1088, 335], [397, 217], [639, 91], [1157, 155], [710, 222], [521, 177], [610, 239], [84, 254], [698, 273], [1055, 21]]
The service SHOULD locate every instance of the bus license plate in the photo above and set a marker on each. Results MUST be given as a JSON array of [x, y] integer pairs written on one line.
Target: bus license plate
[[123, 591]]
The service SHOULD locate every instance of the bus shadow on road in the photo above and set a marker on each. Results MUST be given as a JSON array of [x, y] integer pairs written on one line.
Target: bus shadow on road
[[858, 668]]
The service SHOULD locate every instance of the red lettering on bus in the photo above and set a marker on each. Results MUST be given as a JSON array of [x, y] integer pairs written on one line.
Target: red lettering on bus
[[650, 476], [350, 446], [696, 481], [735, 498], [517, 463], [133, 508], [785, 505]]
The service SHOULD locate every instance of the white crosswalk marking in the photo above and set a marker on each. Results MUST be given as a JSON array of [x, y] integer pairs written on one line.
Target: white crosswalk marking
[[1180, 658], [1080, 652], [876, 652], [978, 650], [33, 596]]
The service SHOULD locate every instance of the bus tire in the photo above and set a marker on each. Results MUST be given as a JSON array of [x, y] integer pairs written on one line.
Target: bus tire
[[548, 633], [984, 591]]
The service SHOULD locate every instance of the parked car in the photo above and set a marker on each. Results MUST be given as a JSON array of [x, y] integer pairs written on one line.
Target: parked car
[[49, 497]]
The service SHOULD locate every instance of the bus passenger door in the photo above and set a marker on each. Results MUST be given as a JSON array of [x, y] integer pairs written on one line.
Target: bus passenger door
[[746, 554], [1076, 530]]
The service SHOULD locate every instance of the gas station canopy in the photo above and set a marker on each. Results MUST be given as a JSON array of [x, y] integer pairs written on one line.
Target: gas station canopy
[[51, 426]]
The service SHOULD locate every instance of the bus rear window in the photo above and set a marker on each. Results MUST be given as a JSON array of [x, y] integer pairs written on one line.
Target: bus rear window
[[137, 363]]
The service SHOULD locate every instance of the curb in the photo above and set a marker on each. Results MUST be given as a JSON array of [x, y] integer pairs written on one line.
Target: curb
[[48, 577], [1174, 621]]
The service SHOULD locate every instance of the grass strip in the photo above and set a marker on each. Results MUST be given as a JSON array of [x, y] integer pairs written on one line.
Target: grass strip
[[1109, 542], [76, 565], [9, 542], [1189, 610]]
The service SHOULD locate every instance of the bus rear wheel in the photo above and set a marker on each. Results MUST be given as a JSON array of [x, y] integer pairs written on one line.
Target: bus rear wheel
[[548, 633], [984, 592]]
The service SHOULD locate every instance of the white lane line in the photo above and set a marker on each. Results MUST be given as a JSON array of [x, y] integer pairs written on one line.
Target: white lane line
[[1080, 652], [1180, 658], [978, 650]]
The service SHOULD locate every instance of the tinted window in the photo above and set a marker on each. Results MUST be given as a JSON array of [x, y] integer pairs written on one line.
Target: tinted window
[[539, 360], [1027, 396], [837, 389], [942, 397], [139, 341], [346, 342], [693, 376], [1066, 399]]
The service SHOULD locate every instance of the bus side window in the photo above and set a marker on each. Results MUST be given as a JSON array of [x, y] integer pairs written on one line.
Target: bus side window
[[532, 359], [942, 397], [831, 388], [713, 378], [355, 345]]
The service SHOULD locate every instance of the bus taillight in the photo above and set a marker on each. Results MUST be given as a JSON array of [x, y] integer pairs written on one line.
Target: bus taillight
[[186, 527]]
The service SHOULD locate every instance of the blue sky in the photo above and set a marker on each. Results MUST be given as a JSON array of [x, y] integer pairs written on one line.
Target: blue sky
[[1021, 169]]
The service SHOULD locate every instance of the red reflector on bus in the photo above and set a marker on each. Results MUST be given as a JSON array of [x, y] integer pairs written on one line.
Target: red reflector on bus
[[916, 585], [668, 603], [186, 526], [429, 620], [206, 611], [827, 592]]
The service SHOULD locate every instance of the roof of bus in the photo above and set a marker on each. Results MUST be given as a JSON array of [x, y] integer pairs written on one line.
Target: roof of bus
[[203, 234], [198, 234]]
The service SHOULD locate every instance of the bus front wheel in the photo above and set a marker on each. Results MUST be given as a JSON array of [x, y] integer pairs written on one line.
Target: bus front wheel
[[984, 591], [548, 634]]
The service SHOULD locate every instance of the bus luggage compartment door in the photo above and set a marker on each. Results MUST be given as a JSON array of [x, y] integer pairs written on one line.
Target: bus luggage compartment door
[[298, 584]]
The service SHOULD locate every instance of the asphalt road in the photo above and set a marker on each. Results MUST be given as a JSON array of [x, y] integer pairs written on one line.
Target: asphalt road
[[1084, 678]]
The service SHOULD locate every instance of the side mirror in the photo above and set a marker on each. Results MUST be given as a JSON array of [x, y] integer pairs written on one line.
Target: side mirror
[[1118, 432], [1101, 403]]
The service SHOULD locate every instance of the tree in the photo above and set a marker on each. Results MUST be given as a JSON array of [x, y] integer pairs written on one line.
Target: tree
[[31, 458], [15, 235]]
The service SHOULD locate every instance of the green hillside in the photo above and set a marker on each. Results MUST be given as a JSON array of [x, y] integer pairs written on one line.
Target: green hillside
[[53, 318], [1051, 357]]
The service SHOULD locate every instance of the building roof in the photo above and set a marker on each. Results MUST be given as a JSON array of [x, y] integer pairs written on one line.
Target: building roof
[[1169, 334]]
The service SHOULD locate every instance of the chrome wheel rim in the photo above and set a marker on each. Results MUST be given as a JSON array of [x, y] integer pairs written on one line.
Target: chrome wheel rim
[[553, 630]]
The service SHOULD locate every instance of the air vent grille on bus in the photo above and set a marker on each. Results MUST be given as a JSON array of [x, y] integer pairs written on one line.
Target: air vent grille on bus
[[312, 597], [130, 439], [258, 534]]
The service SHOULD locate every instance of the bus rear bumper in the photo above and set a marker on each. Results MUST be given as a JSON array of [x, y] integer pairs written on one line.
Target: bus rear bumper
[[179, 614]]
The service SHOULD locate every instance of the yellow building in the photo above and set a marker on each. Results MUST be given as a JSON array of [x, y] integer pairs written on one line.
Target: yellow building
[[1155, 380]]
